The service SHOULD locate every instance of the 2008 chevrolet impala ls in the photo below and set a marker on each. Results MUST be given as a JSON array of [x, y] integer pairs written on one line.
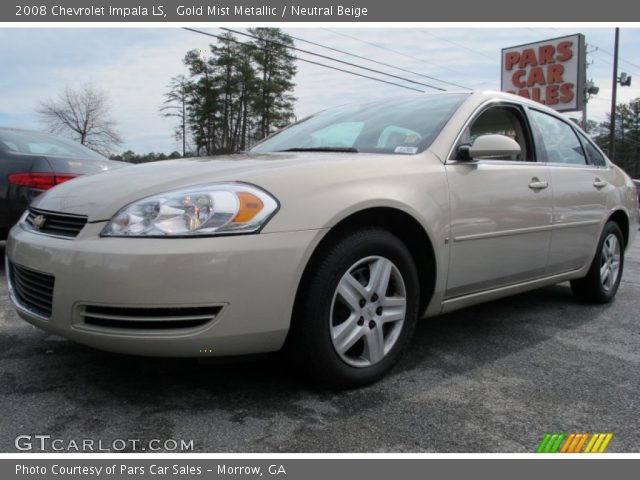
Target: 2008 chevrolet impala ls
[[330, 238]]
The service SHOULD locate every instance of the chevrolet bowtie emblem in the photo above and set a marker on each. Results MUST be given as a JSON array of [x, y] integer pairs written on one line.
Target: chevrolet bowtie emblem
[[38, 222]]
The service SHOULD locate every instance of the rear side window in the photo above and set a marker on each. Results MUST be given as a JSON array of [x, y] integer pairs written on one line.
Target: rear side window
[[561, 144], [593, 154]]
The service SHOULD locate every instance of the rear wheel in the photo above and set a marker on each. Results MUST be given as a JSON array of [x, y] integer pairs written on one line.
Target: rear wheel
[[601, 283], [357, 310]]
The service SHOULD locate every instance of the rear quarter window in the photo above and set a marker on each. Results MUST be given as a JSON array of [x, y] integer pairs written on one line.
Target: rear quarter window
[[594, 157]]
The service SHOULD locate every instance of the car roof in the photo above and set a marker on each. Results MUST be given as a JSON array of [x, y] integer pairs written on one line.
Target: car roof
[[26, 130], [16, 129], [483, 95]]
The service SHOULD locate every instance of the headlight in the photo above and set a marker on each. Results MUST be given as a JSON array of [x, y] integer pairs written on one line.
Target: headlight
[[216, 209]]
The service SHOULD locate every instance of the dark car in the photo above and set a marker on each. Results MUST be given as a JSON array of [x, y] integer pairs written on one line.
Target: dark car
[[32, 162]]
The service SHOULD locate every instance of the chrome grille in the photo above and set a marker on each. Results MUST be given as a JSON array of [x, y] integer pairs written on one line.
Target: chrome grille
[[32, 289], [53, 223], [148, 318]]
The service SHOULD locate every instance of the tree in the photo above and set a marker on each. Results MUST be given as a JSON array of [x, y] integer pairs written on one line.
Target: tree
[[203, 105], [175, 105], [132, 157], [627, 137], [238, 93], [276, 65], [84, 115]]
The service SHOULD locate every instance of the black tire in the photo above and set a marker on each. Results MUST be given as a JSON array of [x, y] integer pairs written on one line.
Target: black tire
[[591, 288], [310, 339]]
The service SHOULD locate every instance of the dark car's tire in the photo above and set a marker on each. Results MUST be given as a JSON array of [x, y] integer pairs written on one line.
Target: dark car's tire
[[601, 283], [347, 334]]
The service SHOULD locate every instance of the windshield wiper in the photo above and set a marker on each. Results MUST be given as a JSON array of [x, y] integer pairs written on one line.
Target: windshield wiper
[[321, 149]]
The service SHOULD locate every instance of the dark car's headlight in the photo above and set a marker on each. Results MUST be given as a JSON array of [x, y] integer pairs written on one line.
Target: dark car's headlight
[[216, 209]]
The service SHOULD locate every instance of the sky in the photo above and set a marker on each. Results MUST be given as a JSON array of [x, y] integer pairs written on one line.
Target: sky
[[134, 65]]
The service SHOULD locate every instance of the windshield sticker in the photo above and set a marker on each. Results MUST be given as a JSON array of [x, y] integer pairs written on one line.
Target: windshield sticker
[[409, 150]]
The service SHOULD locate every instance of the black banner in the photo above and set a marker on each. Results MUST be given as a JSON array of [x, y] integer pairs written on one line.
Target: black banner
[[256, 11]]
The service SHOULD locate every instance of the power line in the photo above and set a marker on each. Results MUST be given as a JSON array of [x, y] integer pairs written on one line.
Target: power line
[[326, 57], [404, 55], [457, 44], [607, 61], [622, 59], [603, 50], [600, 50], [219, 37], [601, 59], [361, 57]]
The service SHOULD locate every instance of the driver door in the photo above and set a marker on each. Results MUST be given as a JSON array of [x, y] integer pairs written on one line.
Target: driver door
[[501, 208]]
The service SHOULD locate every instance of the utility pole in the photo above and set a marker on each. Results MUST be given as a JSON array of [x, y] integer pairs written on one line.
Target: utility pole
[[184, 122], [589, 89], [612, 127]]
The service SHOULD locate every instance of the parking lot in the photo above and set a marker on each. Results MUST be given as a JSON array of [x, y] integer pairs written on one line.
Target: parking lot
[[493, 378]]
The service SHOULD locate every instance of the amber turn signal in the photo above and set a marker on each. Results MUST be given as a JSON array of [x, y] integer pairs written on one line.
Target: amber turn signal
[[250, 206]]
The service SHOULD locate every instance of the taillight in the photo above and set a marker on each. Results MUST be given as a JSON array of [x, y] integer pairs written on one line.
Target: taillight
[[40, 181]]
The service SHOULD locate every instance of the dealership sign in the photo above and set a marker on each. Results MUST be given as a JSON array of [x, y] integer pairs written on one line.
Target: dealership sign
[[551, 72]]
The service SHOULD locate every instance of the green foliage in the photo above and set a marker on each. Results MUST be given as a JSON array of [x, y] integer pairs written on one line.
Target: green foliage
[[132, 157], [276, 68], [236, 93], [627, 137], [175, 105]]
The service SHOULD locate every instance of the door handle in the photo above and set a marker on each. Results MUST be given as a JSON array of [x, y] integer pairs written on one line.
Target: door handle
[[599, 183], [537, 184]]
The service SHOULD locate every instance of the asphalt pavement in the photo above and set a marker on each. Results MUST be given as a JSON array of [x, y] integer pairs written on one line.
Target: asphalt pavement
[[492, 378]]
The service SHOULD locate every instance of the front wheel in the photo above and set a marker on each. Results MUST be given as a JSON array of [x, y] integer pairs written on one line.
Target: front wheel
[[601, 283], [357, 310]]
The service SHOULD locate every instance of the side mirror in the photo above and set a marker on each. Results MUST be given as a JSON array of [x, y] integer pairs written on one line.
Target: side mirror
[[490, 146]]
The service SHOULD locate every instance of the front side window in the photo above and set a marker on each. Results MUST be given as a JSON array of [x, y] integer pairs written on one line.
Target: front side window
[[405, 125], [501, 120], [561, 144]]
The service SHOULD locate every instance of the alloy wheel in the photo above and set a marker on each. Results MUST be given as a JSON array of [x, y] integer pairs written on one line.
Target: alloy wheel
[[368, 311], [610, 262]]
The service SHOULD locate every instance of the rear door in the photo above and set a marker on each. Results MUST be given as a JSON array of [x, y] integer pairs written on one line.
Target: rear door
[[580, 189], [500, 208]]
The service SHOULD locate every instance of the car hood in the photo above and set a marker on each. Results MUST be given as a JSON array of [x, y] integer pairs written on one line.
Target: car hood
[[101, 196]]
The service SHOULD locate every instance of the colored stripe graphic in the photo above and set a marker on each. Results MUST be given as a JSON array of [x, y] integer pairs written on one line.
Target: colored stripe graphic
[[592, 441], [568, 442], [606, 441], [581, 443], [556, 445], [555, 442], [544, 441]]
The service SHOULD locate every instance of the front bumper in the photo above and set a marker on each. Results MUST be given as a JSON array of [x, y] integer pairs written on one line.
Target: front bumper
[[252, 278]]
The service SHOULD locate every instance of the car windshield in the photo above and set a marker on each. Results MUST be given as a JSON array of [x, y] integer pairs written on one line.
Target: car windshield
[[34, 143], [404, 125]]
